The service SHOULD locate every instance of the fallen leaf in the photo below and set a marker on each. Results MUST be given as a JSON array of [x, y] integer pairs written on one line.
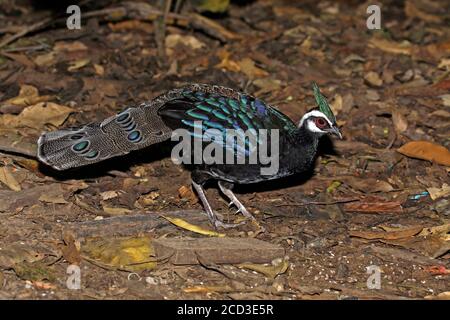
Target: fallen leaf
[[267, 84], [225, 61], [130, 254], [187, 194], [374, 207], [373, 79], [7, 178], [191, 227], [106, 195], [248, 67], [436, 230], [115, 211], [216, 6], [132, 25], [391, 46], [70, 46], [436, 193], [445, 99], [35, 271], [399, 121], [437, 270], [37, 116], [441, 296], [46, 59], [389, 235], [99, 70], [78, 64], [28, 95], [337, 104], [208, 289], [70, 248], [279, 266], [15, 253], [426, 150], [412, 11]]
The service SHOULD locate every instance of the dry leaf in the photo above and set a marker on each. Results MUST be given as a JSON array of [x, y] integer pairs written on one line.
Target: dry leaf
[[70, 46], [412, 11], [99, 70], [46, 59], [191, 227], [132, 25], [131, 254], [436, 193], [373, 79], [248, 67], [441, 296], [399, 121], [271, 271], [391, 46], [445, 99], [208, 289], [115, 211], [337, 104], [106, 195], [7, 178], [28, 95], [37, 116], [187, 193], [226, 62], [78, 64], [426, 151], [388, 235]]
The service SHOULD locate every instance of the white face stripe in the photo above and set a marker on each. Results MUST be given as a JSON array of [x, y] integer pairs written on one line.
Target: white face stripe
[[314, 113]]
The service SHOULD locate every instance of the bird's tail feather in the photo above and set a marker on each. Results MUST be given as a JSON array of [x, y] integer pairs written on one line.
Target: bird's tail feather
[[132, 129]]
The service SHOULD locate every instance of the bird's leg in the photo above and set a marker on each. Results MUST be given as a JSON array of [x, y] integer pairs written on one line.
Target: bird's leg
[[226, 189], [215, 221]]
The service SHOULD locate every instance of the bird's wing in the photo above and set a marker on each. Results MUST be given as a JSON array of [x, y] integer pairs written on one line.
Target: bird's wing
[[200, 111]]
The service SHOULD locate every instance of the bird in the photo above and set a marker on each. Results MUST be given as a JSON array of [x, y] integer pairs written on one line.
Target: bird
[[200, 108]]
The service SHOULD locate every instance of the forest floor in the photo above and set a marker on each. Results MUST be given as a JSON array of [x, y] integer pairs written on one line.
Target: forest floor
[[368, 212]]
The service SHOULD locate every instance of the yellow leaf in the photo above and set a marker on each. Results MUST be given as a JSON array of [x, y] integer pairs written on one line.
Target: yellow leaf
[[78, 64], [27, 95], [131, 254], [426, 151], [8, 179], [116, 211], [270, 271], [191, 227], [391, 46]]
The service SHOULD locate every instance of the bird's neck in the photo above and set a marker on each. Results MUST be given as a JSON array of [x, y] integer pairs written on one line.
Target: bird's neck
[[301, 149]]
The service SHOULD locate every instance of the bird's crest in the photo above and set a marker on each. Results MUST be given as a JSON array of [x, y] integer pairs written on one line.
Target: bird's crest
[[323, 104]]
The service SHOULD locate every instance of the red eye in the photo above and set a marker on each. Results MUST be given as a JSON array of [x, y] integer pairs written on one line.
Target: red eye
[[321, 123]]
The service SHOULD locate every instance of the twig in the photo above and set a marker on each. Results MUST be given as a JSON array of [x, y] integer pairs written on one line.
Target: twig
[[19, 151], [319, 203], [34, 27]]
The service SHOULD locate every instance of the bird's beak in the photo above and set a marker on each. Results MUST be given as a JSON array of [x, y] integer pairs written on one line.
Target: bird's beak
[[335, 130]]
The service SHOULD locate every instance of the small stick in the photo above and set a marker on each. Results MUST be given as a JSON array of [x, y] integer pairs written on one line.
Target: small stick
[[319, 203], [26, 30]]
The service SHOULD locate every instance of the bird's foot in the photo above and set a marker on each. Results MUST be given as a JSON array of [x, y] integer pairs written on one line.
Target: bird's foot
[[220, 224], [212, 216]]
